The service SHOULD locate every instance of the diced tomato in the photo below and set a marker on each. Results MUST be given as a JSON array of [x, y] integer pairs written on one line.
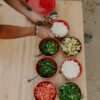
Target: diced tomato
[[45, 91]]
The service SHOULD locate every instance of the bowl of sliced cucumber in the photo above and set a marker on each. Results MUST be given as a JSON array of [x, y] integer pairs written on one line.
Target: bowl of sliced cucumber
[[71, 46]]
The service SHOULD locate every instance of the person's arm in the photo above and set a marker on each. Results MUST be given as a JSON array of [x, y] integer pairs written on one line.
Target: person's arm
[[11, 32], [19, 6]]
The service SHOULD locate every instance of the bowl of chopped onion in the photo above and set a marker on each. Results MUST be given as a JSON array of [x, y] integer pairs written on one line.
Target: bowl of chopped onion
[[71, 68], [59, 28], [71, 46], [45, 91]]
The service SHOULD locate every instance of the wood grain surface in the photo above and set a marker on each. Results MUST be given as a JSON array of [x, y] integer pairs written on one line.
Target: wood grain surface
[[17, 63]]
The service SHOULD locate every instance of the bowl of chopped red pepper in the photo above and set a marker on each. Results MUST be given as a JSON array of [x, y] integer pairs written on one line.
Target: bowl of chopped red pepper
[[46, 67], [45, 91]]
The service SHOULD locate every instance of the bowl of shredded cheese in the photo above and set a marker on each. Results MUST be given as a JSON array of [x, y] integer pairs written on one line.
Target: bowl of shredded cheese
[[71, 68], [59, 28]]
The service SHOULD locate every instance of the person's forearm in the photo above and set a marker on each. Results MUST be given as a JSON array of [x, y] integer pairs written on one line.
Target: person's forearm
[[10, 32], [18, 5]]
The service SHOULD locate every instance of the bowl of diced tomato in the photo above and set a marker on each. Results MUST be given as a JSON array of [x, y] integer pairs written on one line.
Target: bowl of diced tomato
[[45, 91]]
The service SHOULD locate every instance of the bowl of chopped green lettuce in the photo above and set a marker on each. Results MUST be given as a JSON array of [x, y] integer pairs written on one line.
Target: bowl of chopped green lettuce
[[70, 91], [49, 46], [46, 67]]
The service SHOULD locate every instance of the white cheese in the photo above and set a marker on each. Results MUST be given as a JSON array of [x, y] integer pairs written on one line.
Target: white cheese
[[70, 69], [59, 29]]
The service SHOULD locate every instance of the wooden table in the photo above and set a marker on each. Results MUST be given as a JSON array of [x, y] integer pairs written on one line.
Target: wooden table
[[17, 63]]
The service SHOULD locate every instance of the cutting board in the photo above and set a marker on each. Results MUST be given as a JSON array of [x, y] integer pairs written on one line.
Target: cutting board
[[17, 63]]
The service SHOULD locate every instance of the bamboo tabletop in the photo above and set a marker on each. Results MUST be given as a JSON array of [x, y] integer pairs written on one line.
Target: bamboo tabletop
[[17, 63]]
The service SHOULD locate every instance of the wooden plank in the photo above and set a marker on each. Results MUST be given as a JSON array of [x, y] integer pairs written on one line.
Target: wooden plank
[[16, 56]]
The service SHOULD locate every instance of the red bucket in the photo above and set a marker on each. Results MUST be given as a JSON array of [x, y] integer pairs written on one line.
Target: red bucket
[[45, 7]]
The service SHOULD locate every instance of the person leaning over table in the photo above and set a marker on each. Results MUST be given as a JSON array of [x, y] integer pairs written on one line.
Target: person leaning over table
[[7, 31]]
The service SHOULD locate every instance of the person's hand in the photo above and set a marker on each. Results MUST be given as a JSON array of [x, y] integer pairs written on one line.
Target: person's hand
[[11, 32], [44, 32], [31, 15], [35, 18]]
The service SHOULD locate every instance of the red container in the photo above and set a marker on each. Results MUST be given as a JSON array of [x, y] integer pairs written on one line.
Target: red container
[[37, 66], [46, 82], [50, 39], [62, 21], [80, 66], [44, 7]]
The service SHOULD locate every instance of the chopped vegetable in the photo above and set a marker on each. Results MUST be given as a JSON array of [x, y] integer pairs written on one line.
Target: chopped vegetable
[[71, 46], [45, 91], [59, 29], [46, 68], [69, 91], [70, 69], [49, 47]]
